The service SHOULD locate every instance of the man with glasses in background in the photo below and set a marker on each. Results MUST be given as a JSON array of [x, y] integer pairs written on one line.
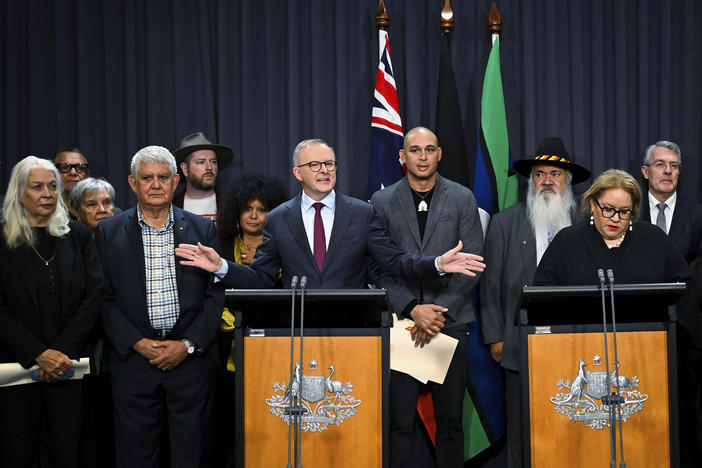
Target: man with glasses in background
[[681, 219], [73, 168]]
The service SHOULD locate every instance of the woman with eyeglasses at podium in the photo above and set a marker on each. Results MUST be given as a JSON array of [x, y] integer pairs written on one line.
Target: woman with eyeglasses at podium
[[636, 252]]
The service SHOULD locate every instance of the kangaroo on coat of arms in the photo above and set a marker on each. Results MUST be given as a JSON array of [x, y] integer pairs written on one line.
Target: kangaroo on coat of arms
[[583, 399], [324, 401]]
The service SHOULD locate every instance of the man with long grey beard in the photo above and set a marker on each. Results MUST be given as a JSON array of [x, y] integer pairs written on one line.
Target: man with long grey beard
[[516, 240]]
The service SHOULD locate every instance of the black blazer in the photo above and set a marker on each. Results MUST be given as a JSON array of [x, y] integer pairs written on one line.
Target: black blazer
[[357, 235], [685, 228], [124, 314], [81, 278]]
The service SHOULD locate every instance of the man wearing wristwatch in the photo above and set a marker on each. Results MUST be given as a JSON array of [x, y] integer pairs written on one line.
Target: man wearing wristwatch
[[160, 319]]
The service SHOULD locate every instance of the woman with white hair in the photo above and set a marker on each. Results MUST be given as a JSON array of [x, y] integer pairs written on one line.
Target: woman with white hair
[[50, 300], [93, 200]]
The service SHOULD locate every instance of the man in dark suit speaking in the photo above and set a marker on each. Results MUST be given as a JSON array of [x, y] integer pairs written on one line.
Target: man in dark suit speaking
[[160, 318], [325, 236]]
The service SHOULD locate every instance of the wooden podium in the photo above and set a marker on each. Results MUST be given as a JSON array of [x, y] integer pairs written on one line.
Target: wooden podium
[[563, 377], [344, 380]]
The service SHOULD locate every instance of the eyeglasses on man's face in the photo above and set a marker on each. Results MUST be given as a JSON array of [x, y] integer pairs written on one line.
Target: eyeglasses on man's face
[[316, 166], [66, 168], [608, 212], [660, 165]]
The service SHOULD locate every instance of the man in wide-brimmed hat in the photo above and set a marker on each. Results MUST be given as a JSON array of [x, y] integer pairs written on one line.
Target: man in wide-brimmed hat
[[516, 240], [199, 161]]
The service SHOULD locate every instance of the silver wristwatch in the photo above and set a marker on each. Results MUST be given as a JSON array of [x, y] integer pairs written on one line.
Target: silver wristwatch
[[189, 346]]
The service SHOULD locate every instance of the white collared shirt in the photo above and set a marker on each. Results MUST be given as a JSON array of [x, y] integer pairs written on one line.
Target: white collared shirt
[[652, 202], [327, 212]]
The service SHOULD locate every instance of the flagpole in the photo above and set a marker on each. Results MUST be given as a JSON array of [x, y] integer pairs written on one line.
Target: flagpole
[[494, 22], [447, 18], [382, 17]]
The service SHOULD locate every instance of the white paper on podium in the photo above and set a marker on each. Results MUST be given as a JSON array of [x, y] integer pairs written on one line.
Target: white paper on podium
[[12, 373], [428, 363]]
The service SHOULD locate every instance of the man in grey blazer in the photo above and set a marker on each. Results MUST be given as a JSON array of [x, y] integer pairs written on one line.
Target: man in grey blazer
[[426, 214], [517, 238]]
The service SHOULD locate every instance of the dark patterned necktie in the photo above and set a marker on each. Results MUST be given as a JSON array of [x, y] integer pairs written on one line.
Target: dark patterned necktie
[[320, 241]]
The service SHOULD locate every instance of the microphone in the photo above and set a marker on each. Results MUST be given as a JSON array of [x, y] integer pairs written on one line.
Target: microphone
[[292, 402], [600, 275], [298, 428], [303, 282], [618, 399]]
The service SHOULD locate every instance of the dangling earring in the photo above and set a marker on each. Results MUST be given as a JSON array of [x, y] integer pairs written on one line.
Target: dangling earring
[[631, 227], [592, 220]]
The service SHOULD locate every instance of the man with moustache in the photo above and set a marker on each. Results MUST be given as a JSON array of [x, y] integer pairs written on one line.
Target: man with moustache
[[199, 161], [426, 214], [516, 240], [160, 319], [73, 167]]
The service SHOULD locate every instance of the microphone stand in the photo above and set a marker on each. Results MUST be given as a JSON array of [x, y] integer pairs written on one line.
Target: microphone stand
[[612, 427], [298, 428], [618, 399], [292, 402]]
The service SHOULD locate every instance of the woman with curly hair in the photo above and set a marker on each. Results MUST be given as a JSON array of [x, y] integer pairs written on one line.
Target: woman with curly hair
[[240, 220], [243, 213]]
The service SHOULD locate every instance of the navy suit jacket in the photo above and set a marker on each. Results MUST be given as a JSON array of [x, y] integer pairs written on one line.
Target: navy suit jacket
[[686, 233], [358, 234], [125, 317], [685, 228]]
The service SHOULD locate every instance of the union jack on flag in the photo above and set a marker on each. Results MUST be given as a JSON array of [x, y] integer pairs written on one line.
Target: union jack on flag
[[386, 125]]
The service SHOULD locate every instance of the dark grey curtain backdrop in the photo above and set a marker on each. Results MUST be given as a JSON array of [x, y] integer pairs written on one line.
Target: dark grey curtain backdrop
[[112, 76]]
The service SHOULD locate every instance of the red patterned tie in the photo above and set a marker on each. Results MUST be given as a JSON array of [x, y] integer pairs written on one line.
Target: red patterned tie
[[320, 241]]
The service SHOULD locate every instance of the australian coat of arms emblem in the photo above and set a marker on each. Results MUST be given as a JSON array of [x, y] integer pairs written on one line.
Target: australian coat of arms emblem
[[324, 401], [583, 399]]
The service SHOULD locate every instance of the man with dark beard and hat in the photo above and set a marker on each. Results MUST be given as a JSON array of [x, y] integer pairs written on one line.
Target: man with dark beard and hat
[[199, 161], [516, 240]]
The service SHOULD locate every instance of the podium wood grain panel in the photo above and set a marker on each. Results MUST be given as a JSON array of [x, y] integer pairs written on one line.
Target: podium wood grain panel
[[356, 442], [558, 441]]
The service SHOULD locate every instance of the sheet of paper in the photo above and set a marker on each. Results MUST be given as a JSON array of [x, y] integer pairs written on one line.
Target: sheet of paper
[[430, 362], [12, 373]]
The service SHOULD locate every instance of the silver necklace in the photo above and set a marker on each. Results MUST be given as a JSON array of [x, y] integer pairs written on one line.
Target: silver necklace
[[422, 206]]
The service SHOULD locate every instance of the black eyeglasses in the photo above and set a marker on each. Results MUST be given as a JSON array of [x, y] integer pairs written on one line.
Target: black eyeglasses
[[66, 168], [608, 212], [316, 166]]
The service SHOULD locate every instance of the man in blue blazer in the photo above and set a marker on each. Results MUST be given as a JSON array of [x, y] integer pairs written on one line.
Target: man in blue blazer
[[160, 319], [325, 236]]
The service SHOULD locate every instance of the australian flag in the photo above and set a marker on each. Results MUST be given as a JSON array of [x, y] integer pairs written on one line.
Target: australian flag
[[386, 125]]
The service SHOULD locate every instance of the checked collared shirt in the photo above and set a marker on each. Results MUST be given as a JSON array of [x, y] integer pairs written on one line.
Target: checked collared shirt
[[159, 261]]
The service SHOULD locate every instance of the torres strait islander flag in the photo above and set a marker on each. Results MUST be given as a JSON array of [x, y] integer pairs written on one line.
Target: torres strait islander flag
[[386, 125]]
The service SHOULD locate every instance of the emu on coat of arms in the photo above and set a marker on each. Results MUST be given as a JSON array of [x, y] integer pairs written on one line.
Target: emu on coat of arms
[[324, 401], [582, 400]]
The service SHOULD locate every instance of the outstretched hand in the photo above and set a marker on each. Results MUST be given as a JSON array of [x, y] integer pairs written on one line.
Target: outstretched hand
[[455, 261], [199, 256]]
